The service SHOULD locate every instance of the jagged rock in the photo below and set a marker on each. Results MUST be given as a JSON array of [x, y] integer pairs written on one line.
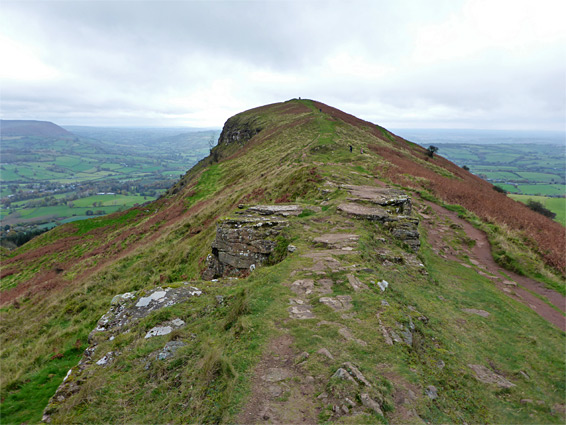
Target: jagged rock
[[368, 402], [342, 373], [431, 392], [355, 283], [406, 230], [325, 353], [324, 286], [391, 207], [241, 244], [385, 333], [169, 350], [355, 372], [339, 303], [485, 375]]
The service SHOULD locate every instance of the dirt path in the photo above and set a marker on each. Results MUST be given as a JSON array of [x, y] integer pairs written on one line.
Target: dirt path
[[518, 287], [281, 393]]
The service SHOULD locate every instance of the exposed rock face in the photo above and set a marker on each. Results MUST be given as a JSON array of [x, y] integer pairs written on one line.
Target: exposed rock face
[[123, 311], [237, 132], [245, 242], [390, 207]]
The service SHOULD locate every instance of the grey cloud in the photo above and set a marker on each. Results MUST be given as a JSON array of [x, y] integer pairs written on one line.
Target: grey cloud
[[170, 58]]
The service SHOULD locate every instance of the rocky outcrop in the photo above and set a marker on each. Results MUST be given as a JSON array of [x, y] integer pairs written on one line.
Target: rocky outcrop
[[396, 201], [125, 311], [390, 207], [246, 241], [487, 376], [235, 131]]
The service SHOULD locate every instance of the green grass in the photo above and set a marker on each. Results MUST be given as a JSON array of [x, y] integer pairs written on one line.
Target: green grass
[[502, 175], [539, 177], [543, 189]]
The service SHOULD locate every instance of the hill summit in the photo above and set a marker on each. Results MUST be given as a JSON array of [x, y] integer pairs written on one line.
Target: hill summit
[[314, 268], [30, 128]]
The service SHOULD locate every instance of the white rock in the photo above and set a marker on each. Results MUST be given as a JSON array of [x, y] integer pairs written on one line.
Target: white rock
[[157, 296], [105, 359], [383, 284], [177, 322], [158, 331]]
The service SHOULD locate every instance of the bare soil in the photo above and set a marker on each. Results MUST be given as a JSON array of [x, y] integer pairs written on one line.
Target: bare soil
[[518, 287], [281, 391]]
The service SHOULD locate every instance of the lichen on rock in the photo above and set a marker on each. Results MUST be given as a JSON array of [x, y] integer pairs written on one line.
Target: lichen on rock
[[246, 241], [125, 311]]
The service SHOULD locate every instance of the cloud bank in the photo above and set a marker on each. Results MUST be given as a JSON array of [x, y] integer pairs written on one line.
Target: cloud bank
[[452, 64]]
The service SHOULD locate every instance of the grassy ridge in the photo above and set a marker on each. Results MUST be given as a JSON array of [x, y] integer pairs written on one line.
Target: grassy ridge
[[166, 243]]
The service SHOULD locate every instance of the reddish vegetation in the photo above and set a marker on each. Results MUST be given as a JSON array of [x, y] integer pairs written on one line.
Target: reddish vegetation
[[286, 197], [478, 196], [50, 278], [255, 195]]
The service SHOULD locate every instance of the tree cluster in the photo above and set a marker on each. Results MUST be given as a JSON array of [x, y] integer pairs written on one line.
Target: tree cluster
[[540, 208]]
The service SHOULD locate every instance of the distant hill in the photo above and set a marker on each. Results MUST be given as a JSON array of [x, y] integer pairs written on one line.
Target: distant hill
[[30, 128]]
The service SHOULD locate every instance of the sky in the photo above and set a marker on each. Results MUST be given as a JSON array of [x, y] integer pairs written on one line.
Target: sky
[[478, 64]]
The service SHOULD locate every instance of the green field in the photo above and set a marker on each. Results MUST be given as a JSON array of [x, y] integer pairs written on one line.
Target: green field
[[556, 205], [50, 180], [522, 168], [79, 208], [531, 176]]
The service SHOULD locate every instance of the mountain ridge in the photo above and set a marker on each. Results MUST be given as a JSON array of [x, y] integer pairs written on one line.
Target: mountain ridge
[[244, 339], [32, 128]]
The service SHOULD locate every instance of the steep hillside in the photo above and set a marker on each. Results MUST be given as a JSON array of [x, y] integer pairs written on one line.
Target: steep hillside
[[314, 268], [29, 128]]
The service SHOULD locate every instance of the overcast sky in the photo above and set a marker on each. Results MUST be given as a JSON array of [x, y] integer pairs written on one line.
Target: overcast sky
[[497, 64]]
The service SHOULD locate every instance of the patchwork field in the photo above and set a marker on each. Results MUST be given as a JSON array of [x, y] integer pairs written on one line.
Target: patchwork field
[[98, 171]]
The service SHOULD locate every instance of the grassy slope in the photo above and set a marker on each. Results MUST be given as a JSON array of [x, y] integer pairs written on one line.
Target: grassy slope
[[62, 293]]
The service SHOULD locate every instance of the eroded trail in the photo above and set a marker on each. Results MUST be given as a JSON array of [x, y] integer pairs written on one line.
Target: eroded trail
[[516, 286]]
